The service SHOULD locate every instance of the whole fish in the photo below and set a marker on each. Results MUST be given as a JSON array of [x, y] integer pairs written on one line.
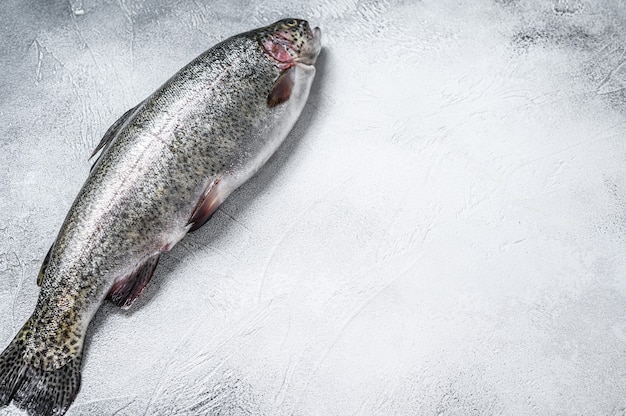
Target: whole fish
[[164, 168]]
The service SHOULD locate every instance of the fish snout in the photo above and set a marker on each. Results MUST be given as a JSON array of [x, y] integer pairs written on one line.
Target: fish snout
[[312, 47], [292, 41]]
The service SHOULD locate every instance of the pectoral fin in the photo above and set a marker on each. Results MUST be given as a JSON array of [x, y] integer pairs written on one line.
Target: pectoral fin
[[208, 204], [126, 290], [281, 91]]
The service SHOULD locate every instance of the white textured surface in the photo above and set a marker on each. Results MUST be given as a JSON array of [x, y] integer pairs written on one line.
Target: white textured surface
[[442, 234]]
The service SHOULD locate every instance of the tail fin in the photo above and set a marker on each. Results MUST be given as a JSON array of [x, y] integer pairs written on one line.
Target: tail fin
[[40, 392]]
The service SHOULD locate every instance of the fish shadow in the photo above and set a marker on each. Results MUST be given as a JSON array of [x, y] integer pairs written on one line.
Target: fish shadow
[[237, 204]]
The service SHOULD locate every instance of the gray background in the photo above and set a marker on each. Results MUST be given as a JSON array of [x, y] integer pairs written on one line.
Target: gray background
[[441, 234]]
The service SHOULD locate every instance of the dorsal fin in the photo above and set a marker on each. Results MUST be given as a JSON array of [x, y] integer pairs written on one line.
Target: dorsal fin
[[111, 133]]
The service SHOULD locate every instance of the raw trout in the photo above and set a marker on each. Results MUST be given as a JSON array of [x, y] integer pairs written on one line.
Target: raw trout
[[164, 168]]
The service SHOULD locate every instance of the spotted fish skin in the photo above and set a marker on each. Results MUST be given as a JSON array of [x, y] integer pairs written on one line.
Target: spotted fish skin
[[164, 167]]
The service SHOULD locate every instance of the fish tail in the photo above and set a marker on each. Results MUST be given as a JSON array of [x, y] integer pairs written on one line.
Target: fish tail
[[41, 392]]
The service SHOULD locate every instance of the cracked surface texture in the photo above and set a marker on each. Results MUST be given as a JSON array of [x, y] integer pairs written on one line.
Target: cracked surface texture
[[441, 234]]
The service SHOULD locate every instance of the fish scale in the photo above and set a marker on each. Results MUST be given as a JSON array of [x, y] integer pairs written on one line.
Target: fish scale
[[163, 169]]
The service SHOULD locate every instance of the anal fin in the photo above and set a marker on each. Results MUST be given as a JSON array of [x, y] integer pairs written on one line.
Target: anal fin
[[126, 290]]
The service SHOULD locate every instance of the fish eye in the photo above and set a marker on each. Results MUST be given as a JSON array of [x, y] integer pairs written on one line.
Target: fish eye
[[291, 23]]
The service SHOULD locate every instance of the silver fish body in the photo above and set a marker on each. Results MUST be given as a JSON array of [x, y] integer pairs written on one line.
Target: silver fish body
[[164, 168]]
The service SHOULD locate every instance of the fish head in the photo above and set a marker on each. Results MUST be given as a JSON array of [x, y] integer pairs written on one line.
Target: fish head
[[291, 41]]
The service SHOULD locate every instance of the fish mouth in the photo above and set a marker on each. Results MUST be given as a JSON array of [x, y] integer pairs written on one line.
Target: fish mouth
[[286, 50], [312, 49]]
